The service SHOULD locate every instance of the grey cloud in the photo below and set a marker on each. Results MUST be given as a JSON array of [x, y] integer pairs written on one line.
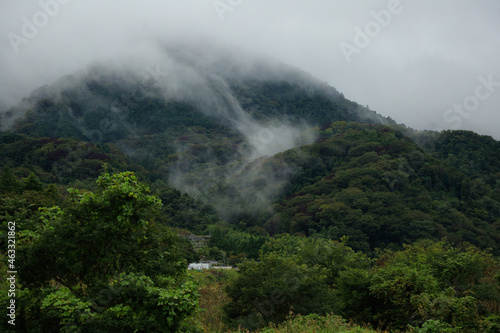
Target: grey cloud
[[426, 60]]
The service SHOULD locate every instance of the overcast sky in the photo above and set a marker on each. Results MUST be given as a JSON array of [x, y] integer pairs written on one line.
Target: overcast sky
[[427, 64]]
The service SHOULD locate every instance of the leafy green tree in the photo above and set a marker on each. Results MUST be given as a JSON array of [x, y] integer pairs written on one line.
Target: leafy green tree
[[32, 183], [102, 264], [8, 181], [435, 281], [352, 294], [294, 274], [268, 290]]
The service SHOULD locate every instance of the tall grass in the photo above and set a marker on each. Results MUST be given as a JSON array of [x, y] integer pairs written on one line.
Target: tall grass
[[210, 315], [314, 324]]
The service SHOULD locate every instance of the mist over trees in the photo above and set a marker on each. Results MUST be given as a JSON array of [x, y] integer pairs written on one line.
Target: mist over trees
[[329, 211]]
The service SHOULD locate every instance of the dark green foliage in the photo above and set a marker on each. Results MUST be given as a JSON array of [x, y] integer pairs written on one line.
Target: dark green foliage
[[8, 182], [381, 189], [234, 245], [434, 281], [182, 211], [32, 183], [58, 160], [314, 104], [268, 290], [101, 263], [293, 274], [473, 154], [425, 286]]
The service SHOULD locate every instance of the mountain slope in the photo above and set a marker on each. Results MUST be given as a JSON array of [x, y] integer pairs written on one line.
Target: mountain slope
[[268, 147], [382, 190], [192, 86]]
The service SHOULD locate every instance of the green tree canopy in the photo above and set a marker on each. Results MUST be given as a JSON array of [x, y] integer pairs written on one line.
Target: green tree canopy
[[101, 263]]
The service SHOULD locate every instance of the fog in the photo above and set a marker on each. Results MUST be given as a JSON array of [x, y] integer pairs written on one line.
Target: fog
[[197, 72], [414, 65], [247, 184]]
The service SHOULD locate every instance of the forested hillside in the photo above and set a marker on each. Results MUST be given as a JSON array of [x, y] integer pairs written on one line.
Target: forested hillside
[[326, 208], [383, 190]]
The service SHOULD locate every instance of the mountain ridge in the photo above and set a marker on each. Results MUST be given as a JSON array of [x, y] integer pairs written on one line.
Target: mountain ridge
[[190, 77], [275, 152]]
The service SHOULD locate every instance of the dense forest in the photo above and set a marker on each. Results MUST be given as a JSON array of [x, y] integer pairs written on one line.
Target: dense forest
[[350, 223]]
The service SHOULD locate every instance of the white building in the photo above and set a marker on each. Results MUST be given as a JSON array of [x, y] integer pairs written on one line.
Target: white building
[[199, 266]]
